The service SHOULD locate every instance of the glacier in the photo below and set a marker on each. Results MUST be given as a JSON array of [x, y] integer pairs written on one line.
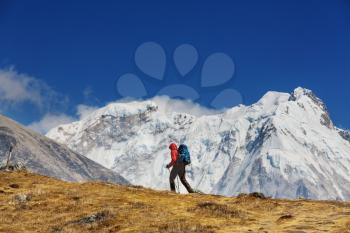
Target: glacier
[[285, 145]]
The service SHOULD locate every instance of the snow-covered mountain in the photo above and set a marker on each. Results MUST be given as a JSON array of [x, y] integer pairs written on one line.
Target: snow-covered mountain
[[285, 145], [45, 156]]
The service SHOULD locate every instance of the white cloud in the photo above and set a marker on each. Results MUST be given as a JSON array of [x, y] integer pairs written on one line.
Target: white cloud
[[50, 121], [17, 88], [89, 96], [165, 105], [84, 110], [168, 105]]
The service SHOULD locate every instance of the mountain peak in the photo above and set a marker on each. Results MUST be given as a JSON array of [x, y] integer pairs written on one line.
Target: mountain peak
[[273, 98], [301, 92], [277, 146]]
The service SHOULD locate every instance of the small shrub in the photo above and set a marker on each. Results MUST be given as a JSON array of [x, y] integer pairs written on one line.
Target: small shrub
[[254, 195], [135, 186], [56, 229], [22, 198], [93, 221], [76, 198], [217, 210], [14, 186], [98, 217], [138, 205], [284, 218], [180, 227]]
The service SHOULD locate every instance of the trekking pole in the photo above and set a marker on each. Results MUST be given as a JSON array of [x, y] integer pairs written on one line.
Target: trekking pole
[[196, 188], [178, 185], [9, 158], [202, 178], [169, 173]]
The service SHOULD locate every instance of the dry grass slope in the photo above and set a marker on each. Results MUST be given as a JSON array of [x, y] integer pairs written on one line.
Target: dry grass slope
[[33, 203]]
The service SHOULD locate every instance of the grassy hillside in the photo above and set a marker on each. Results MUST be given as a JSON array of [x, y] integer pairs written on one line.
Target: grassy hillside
[[33, 203]]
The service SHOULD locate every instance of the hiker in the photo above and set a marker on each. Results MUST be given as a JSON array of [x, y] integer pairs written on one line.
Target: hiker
[[178, 168]]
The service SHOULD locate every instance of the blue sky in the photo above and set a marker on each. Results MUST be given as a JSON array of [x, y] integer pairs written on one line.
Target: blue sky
[[80, 49]]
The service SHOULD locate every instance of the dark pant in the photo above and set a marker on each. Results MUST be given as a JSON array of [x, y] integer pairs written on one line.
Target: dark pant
[[179, 170]]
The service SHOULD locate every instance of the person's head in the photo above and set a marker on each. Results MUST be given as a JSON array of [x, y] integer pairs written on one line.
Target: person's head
[[173, 146]]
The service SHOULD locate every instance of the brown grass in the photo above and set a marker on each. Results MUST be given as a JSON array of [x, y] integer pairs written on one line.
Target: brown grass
[[41, 204], [213, 209], [183, 226]]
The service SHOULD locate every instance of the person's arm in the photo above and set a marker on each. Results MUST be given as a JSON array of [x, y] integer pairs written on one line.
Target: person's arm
[[173, 158]]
